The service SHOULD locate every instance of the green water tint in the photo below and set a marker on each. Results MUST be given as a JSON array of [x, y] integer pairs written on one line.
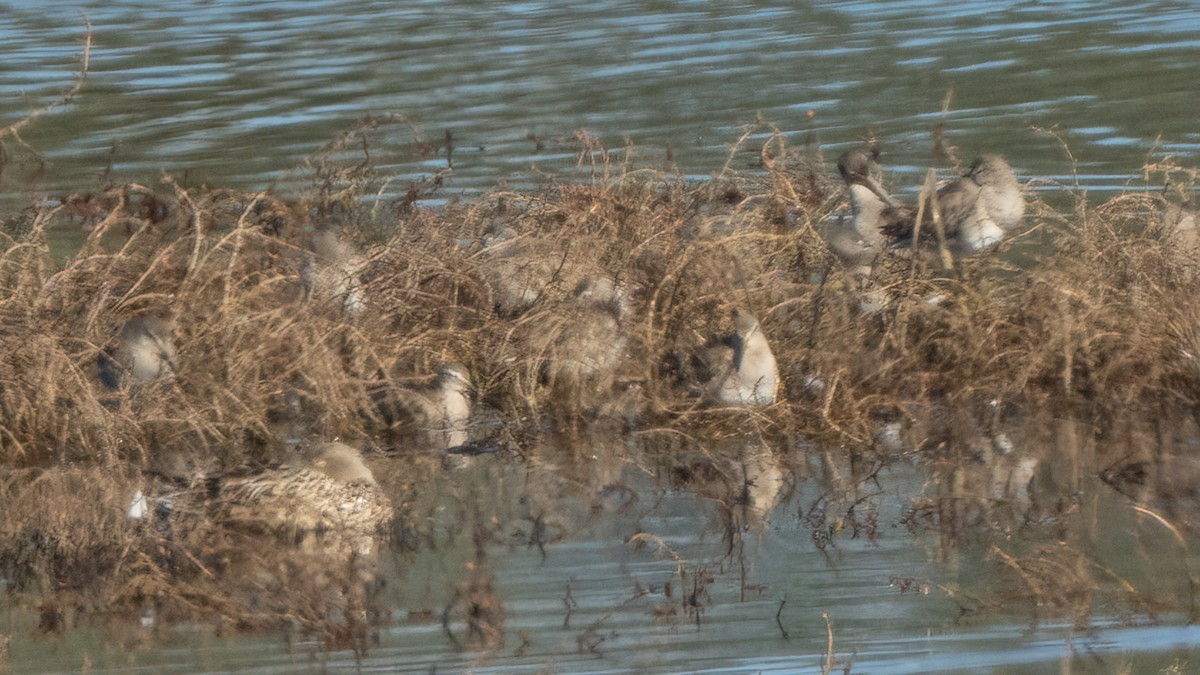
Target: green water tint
[[735, 553], [1023, 522], [237, 94]]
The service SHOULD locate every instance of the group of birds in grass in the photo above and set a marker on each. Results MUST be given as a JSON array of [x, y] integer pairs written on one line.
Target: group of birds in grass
[[332, 490], [974, 212]]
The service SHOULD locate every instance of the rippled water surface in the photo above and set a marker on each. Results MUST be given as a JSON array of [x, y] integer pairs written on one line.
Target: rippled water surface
[[239, 92]]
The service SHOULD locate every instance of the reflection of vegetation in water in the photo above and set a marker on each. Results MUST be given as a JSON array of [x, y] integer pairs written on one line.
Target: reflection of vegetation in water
[[957, 371]]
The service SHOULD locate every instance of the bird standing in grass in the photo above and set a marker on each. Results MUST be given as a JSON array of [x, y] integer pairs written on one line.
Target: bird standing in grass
[[579, 345], [859, 240], [334, 272], [518, 267], [1179, 233]]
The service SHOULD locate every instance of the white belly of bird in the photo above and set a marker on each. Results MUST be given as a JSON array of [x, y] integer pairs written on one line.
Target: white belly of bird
[[982, 234], [753, 383]]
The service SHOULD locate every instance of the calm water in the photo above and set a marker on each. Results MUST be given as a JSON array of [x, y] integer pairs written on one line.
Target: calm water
[[766, 580], [238, 93]]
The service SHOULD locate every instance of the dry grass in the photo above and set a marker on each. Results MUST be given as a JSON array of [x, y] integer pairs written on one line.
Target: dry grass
[[1099, 319]]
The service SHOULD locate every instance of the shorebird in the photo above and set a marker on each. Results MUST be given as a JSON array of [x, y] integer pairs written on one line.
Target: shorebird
[[977, 209], [999, 190], [517, 269], [1180, 234], [440, 413], [861, 239], [329, 500], [744, 372], [334, 272], [583, 342], [144, 352]]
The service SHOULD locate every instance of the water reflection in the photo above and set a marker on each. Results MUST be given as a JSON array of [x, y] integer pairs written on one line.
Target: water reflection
[[660, 549], [643, 552], [686, 551]]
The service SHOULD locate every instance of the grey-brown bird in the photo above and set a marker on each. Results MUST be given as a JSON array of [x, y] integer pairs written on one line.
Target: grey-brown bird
[[580, 343], [334, 272], [1180, 234], [859, 240], [518, 267], [144, 352], [978, 210]]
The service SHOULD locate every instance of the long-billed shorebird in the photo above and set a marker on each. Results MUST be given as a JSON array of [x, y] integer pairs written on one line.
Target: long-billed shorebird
[[144, 352], [859, 240], [978, 209]]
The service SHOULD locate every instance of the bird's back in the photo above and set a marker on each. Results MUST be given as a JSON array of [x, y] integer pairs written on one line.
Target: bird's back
[[296, 504]]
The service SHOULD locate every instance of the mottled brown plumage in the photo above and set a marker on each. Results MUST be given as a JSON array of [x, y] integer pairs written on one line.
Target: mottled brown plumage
[[331, 501]]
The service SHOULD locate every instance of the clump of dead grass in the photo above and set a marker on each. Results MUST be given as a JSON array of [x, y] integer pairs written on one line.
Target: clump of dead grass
[[1099, 320]]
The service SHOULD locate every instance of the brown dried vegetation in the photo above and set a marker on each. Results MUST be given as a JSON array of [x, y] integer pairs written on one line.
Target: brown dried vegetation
[[1093, 315]]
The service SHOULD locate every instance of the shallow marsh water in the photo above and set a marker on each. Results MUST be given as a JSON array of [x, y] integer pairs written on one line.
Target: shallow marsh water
[[238, 93], [596, 601]]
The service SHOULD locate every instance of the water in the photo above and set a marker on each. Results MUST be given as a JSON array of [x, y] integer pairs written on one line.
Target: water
[[238, 93], [599, 603]]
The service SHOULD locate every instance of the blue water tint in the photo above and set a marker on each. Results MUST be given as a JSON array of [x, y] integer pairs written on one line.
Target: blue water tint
[[985, 65], [622, 69]]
